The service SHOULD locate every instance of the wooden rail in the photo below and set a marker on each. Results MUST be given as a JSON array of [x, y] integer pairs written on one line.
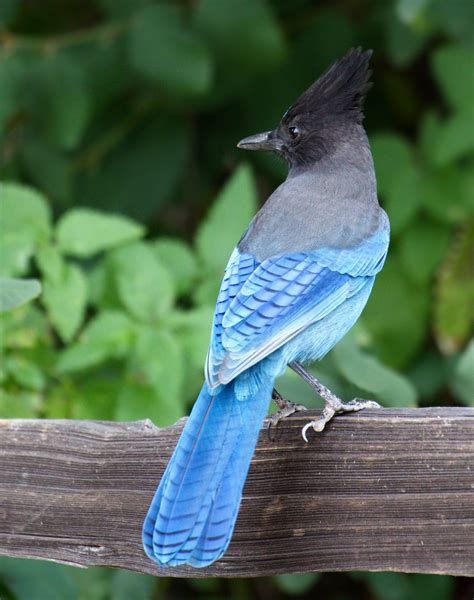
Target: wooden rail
[[379, 490]]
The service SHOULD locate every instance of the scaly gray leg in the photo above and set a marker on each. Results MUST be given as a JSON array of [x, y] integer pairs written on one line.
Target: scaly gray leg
[[286, 407], [332, 404]]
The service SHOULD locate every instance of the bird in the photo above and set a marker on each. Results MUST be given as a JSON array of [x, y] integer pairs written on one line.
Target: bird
[[295, 284]]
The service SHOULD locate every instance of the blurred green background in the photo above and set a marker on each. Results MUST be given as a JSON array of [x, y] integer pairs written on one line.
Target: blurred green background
[[123, 193]]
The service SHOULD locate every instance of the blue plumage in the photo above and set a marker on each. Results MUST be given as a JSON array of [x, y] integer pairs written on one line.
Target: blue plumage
[[193, 513], [296, 283]]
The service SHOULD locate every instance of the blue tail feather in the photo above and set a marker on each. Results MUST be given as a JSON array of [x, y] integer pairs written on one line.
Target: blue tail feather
[[193, 512]]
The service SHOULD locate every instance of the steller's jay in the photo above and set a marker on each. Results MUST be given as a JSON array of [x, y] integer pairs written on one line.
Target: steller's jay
[[294, 285]]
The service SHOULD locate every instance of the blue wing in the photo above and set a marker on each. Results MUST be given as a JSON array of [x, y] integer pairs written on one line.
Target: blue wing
[[262, 306], [238, 270]]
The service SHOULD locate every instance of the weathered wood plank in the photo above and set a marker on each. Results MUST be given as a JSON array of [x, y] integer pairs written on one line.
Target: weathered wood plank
[[379, 490]]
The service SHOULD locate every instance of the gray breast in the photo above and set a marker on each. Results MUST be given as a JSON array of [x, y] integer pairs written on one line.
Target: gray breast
[[315, 210]]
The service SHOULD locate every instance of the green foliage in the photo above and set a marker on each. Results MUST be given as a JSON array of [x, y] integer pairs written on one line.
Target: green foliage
[[144, 286], [164, 50], [15, 292], [368, 374], [463, 382], [65, 300], [24, 224], [227, 219], [84, 232], [122, 194], [454, 308], [243, 35], [35, 579], [296, 585], [398, 586], [452, 67]]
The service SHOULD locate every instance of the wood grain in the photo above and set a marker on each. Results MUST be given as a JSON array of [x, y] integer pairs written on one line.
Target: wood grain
[[378, 490]]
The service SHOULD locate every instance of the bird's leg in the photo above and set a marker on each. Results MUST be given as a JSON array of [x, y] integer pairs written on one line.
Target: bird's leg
[[332, 404], [286, 408]]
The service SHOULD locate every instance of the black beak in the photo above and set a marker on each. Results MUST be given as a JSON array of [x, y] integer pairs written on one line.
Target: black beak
[[261, 141]]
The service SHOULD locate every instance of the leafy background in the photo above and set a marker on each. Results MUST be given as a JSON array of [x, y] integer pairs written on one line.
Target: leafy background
[[123, 193]]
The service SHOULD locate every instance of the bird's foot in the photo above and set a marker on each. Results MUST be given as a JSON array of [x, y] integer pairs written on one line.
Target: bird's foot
[[286, 407], [334, 406]]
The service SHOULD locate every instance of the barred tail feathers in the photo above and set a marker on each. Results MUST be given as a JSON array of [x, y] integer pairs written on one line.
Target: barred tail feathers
[[193, 513]]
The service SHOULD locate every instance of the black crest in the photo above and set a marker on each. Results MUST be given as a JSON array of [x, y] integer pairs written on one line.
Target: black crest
[[339, 91]]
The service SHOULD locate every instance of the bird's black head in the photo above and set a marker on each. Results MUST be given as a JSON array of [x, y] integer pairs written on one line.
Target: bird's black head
[[322, 116]]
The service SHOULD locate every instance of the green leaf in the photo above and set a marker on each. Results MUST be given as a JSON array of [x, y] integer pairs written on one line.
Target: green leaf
[[454, 17], [19, 405], [368, 374], [61, 103], [463, 382], [26, 373], [422, 248], [404, 43], [411, 12], [334, 31], [24, 209], [25, 328], [296, 584], [388, 586], [176, 256], [452, 66], [95, 399], [102, 286], [34, 579], [156, 360], [142, 172], [59, 401], [430, 374], [144, 285], [65, 301], [16, 250], [49, 169], [50, 263], [455, 137], [397, 179], [429, 134], [431, 587], [155, 373], [244, 35], [93, 582], [392, 155], [227, 220], [167, 52], [400, 586], [107, 336], [445, 195], [15, 292], [24, 222], [206, 291], [126, 585], [454, 294], [192, 328], [84, 232], [396, 315]]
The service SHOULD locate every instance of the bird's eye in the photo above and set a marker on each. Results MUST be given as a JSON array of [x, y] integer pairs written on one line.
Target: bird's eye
[[294, 132]]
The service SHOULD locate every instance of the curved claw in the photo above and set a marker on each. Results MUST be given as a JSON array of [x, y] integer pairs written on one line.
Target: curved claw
[[337, 407], [318, 426], [304, 430]]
